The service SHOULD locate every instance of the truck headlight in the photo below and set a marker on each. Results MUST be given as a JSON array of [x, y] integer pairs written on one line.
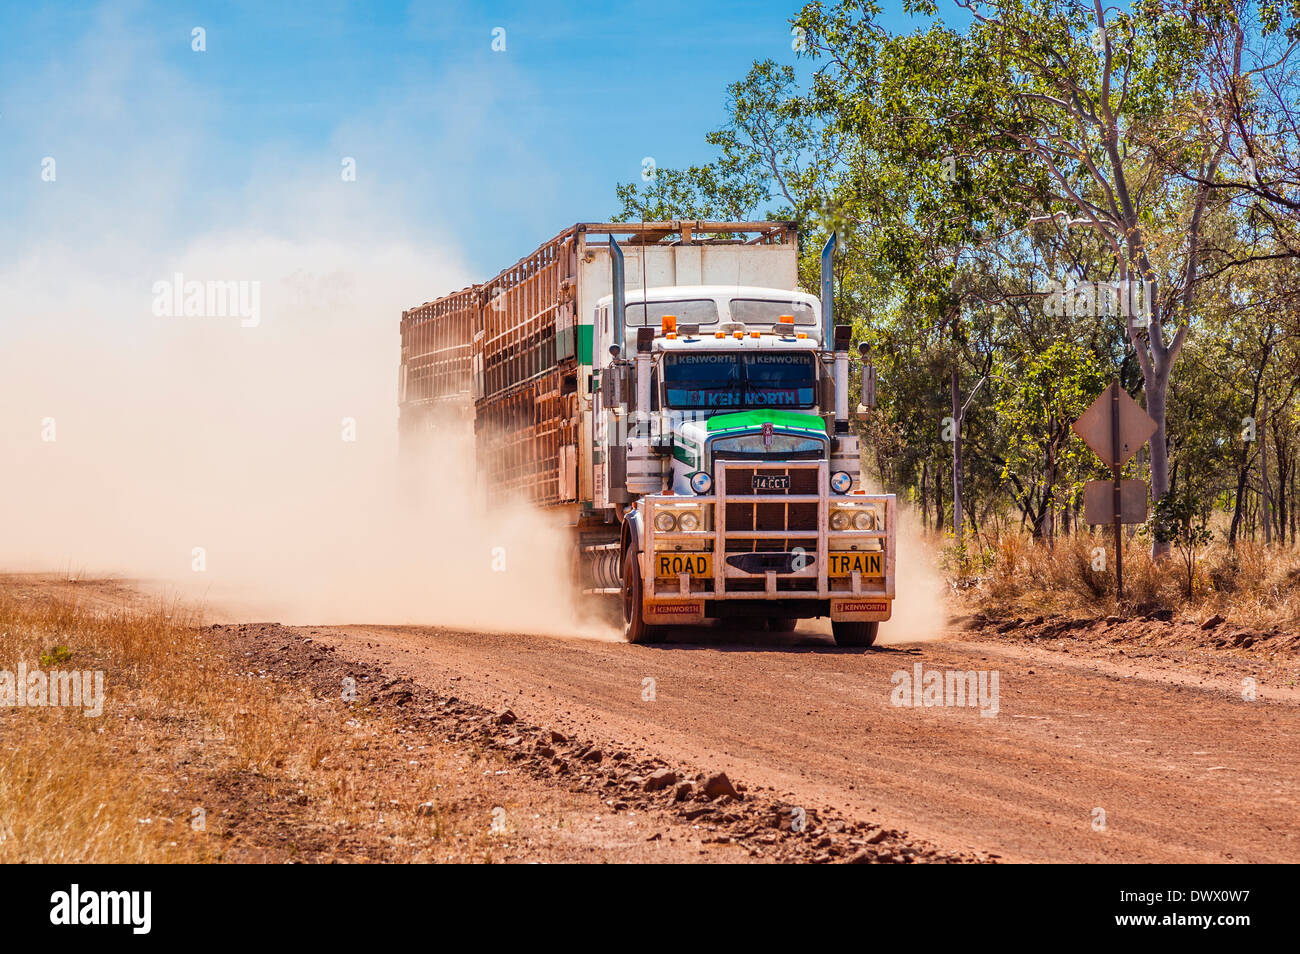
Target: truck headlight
[[689, 521], [855, 517], [841, 482], [701, 482], [665, 522]]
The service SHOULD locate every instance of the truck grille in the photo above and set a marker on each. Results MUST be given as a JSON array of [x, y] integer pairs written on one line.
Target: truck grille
[[777, 515]]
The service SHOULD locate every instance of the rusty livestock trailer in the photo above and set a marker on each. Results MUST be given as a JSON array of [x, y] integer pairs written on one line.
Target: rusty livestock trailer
[[515, 352], [672, 391], [434, 376]]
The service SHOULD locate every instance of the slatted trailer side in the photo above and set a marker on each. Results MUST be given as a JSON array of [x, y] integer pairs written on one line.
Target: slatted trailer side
[[436, 360], [518, 348]]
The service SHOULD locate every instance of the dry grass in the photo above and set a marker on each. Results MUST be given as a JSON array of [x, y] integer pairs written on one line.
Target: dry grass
[[1252, 586], [70, 790], [278, 773]]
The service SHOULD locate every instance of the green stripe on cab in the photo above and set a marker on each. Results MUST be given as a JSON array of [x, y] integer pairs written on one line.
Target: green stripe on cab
[[752, 419]]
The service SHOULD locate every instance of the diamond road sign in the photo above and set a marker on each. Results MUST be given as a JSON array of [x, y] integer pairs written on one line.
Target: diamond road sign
[[1094, 426]]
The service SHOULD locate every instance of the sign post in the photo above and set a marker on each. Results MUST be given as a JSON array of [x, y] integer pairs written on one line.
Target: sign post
[[1115, 428], [1114, 469]]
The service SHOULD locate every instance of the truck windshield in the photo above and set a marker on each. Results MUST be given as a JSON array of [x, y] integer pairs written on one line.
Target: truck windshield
[[754, 311], [705, 381], [772, 445], [701, 311]]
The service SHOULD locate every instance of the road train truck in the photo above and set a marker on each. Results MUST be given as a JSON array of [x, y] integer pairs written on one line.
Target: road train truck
[[669, 388]]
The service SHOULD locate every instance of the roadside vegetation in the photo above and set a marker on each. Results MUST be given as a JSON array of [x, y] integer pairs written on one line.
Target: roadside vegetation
[[195, 759], [1010, 575], [1033, 198]]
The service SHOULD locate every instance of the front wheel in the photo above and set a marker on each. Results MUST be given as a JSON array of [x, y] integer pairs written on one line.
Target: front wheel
[[854, 634], [635, 628]]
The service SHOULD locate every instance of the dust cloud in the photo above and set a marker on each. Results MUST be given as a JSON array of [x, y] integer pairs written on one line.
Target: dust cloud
[[252, 464], [920, 611]]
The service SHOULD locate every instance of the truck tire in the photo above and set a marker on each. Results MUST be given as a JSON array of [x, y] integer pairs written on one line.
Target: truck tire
[[859, 635], [635, 628]]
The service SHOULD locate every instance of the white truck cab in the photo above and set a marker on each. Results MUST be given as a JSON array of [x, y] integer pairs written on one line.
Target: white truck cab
[[668, 389], [726, 407]]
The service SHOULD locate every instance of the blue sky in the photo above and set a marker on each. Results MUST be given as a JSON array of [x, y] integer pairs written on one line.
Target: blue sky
[[486, 152], [224, 166]]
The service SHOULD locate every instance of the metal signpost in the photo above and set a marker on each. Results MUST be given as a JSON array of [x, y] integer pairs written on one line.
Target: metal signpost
[[1115, 428]]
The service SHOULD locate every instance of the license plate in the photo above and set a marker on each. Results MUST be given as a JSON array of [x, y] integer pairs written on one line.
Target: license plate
[[771, 481], [669, 565], [867, 563], [861, 610], [675, 612]]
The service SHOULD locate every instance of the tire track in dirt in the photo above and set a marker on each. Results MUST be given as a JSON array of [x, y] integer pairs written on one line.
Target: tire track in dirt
[[693, 816], [1182, 773]]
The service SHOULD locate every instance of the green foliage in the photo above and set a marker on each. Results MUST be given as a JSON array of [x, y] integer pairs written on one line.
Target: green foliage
[[764, 153], [971, 170], [1180, 519], [56, 656], [1038, 401]]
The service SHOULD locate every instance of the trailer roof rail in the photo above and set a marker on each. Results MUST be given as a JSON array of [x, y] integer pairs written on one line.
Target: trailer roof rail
[[648, 233]]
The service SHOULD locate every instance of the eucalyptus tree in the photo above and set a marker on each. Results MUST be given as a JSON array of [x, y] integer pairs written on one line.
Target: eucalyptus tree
[[1250, 83], [1068, 87], [1040, 151], [942, 205]]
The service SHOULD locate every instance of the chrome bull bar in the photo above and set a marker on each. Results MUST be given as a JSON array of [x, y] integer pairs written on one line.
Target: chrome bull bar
[[716, 540]]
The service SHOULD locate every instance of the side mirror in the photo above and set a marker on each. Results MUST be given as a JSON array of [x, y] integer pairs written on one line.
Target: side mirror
[[868, 380]]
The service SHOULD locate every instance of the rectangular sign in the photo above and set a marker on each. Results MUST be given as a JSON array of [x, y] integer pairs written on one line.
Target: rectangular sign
[[670, 565], [690, 611], [708, 398], [771, 481], [1099, 501], [861, 610], [868, 563]]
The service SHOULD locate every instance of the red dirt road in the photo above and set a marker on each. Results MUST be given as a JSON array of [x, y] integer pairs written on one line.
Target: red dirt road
[[1184, 769]]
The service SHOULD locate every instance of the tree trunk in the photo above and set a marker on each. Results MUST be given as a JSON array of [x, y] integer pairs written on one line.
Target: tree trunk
[[1282, 503], [956, 460], [925, 494], [1243, 466], [938, 496], [1238, 505], [1294, 528], [1157, 390]]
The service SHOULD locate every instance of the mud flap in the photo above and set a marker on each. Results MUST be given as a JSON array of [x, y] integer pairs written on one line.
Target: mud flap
[[861, 610], [676, 611]]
